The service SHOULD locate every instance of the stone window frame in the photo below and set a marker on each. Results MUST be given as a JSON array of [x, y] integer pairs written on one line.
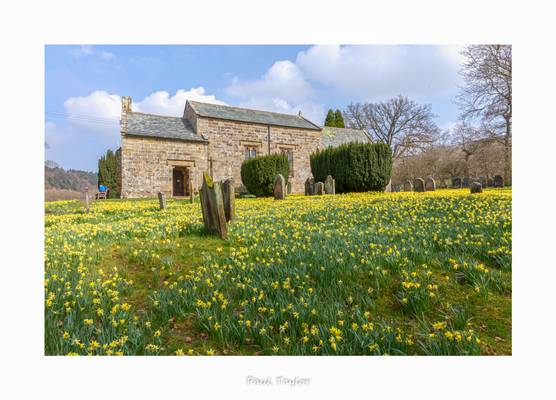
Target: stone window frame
[[288, 149], [250, 148]]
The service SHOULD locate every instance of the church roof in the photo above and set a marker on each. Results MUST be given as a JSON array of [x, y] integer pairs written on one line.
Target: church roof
[[252, 116], [333, 137], [159, 126]]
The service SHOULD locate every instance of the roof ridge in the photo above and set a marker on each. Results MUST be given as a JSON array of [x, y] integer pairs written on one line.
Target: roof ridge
[[254, 109], [155, 115]]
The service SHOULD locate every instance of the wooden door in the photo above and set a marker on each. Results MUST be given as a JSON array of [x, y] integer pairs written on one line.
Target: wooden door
[[179, 182]]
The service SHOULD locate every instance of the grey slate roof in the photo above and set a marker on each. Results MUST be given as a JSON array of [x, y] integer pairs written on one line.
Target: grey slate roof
[[333, 137], [253, 116], [160, 126]]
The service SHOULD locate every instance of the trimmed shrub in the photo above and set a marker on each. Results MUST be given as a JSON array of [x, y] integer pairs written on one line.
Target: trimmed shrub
[[258, 173], [356, 167]]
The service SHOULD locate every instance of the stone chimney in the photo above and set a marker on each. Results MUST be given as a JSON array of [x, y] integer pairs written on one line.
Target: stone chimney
[[126, 108]]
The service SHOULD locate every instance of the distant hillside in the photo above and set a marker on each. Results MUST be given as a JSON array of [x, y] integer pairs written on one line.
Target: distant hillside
[[61, 184]]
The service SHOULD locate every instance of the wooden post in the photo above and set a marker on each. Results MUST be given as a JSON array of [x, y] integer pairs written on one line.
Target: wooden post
[[161, 201], [212, 205], [228, 194], [191, 192], [87, 199]]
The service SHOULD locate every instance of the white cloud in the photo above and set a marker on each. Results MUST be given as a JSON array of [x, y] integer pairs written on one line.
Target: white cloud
[[162, 103], [91, 51], [376, 71], [283, 80]]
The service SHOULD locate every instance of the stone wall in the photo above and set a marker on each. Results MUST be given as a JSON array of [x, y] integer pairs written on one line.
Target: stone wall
[[228, 139], [147, 164]]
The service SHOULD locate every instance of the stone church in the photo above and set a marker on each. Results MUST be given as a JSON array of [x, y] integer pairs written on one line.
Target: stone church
[[170, 154]]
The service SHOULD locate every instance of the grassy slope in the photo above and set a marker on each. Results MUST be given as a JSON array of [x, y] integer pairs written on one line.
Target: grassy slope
[[160, 263]]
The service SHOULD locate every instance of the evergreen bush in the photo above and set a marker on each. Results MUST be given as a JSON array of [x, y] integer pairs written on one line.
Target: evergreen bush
[[258, 173]]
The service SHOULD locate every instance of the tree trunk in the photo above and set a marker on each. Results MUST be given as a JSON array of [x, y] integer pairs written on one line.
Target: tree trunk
[[507, 152]]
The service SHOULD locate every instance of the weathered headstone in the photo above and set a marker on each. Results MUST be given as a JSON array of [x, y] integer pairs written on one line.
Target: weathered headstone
[[498, 181], [309, 187], [419, 185], [483, 181], [191, 192], [408, 186], [319, 188], [330, 185], [490, 182], [467, 181], [388, 187], [289, 187], [161, 201], [212, 205], [86, 194], [430, 184], [228, 194], [456, 183], [279, 187], [476, 187]]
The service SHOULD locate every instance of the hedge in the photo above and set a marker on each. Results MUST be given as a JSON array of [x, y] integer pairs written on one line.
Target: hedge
[[356, 167], [258, 173]]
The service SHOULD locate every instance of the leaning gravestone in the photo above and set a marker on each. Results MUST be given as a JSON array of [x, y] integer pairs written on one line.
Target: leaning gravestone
[[289, 187], [476, 187], [161, 201], [330, 185], [430, 184], [279, 187], [498, 181], [408, 186], [228, 195], [419, 185], [309, 187], [191, 193], [456, 183], [212, 205]]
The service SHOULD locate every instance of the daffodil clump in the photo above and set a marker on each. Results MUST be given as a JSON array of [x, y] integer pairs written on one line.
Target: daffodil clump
[[354, 274]]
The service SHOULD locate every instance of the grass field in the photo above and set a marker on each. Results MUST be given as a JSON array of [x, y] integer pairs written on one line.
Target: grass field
[[357, 274]]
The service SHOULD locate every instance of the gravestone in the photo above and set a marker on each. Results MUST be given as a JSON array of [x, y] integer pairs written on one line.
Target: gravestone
[[161, 201], [430, 184], [476, 187], [388, 187], [191, 192], [86, 194], [212, 205], [319, 188], [490, 182], [456, 183], [483, 181], [309, 187], [228, 194], [498, 181], [289, 187], [419, 185], [279, 187], [408, 186], [330, 185], [467, 181]]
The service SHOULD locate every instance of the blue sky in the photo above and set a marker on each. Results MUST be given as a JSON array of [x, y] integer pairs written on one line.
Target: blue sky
[[83, 85]]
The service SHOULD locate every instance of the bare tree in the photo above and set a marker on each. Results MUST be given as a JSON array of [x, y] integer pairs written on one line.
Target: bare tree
[[399, 122], [487, 94], [469, 140]]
